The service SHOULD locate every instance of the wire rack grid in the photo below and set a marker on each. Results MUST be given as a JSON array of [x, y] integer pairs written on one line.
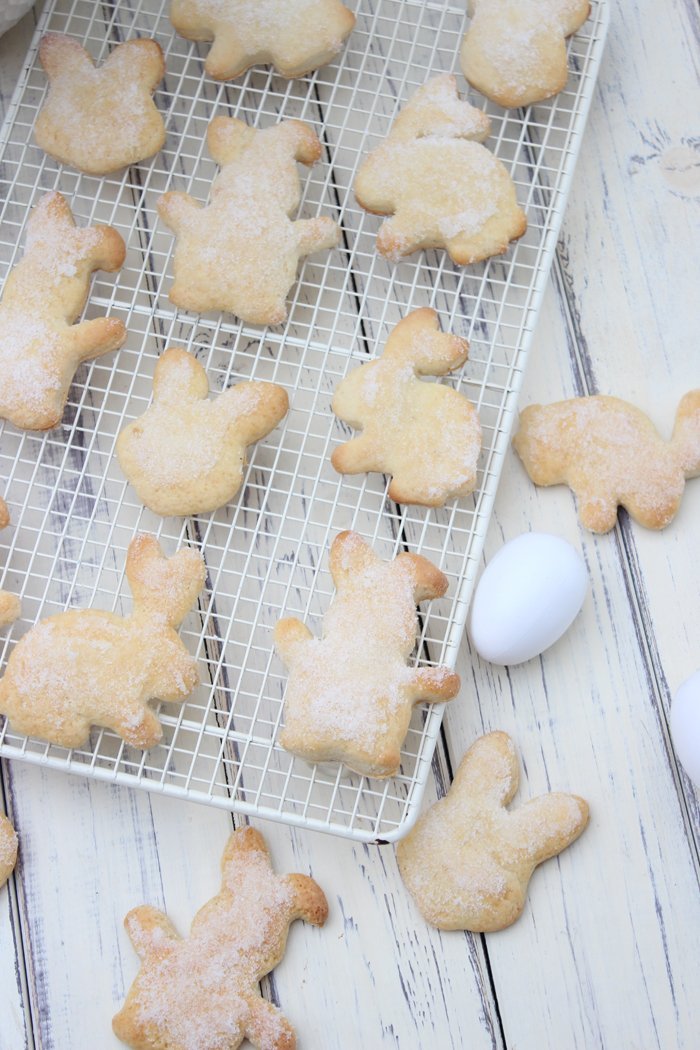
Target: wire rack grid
[[73, 515]]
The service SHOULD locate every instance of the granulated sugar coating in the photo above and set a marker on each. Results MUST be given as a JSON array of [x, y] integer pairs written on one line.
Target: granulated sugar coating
[[8, 849]]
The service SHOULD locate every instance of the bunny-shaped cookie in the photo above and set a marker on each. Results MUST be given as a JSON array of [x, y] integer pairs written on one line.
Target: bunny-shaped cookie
[[610, 454], [100, 120], [350, 694], [427, 436], [442, 187], [8, 849], [468, 861], [206, 986], [9, 603], [40, 347], [185, 454], [240, 253], [86, 667]]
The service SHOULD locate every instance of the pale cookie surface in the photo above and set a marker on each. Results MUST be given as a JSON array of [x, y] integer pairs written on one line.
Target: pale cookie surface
[[350, 693], [610, 454], [240, 253], [40, 347], [427, 436], [442, 187], [202, 992], [8, 849], [9, 603], [514, 51], [86, 667], [295, 36], [186, 454], [468, 861], [100, 120]]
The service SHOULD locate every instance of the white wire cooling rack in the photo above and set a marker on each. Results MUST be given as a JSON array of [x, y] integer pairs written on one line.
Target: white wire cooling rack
[[73, 514]]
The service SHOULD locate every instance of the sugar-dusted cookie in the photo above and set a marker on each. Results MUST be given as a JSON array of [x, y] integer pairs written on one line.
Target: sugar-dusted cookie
[[203, 991], [241, 252], [40, 347], [9, 603], [350, 693], [442, 187], [186, 454], [100, 120], [427, 436], [8, 849], [86, 667], [296, 36], [514, 51], [610, 454], [468, 861]]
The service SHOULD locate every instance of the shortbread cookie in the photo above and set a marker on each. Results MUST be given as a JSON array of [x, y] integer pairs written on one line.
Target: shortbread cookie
[[40, 347], [427, 436], [186, 454], [350, 693], [100, 120], [515, 50], [468, 861], [442, 187], [295, 36], [241, 252], [86, 667], [203, 991], [8, 849], [610, 454], [9, 603]]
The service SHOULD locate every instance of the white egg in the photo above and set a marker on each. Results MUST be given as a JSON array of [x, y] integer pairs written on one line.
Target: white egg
[[685, 726], [528, 596]]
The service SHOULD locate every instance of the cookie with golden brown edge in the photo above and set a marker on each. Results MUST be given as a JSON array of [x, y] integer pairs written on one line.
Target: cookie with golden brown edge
[[8, 849], [9, 603], [203, 990]]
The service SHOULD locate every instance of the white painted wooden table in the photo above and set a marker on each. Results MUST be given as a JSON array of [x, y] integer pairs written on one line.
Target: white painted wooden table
[[607, 951]]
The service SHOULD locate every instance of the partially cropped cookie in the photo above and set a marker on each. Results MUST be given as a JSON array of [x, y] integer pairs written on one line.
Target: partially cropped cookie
[[202, 992], [9, 603], [40, 347], [514, 51], [240, 253], [427, 436], [442, 188], [295, 36], [8, 849], [350, 693], [186, 454], [468, 861], [100, 120], [610, 454]]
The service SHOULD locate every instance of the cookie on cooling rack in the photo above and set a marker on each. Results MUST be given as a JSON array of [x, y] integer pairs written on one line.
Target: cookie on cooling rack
[[514, 51], [9, 603], [442, 188], [208, 982], [40, 347], [186, 454], [8, 849], [100, 120], [350, 693], [295, 36]]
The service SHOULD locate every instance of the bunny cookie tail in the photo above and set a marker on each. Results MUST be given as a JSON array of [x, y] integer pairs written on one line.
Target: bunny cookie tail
[[686, 434]]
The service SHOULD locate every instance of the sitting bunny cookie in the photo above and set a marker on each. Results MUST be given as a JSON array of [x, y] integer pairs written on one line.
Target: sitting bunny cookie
[[442, 188], [610, 454], [8, 849], [514, 51], [100, 120], [206, 986], [40, 347], [9, 603], [186, 454], [425, 435], [350, 693], [296, 36], [241, 252], [86, 667], [468, 861]]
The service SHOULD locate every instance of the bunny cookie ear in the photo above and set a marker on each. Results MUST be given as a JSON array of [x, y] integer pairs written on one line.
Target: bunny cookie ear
[[227, 138], [150, 931], [418, 339], [436, 108], [489, 770], [61, 55], [350, 555], [179, 377], [140, 60], [165, 586], [545, 826]]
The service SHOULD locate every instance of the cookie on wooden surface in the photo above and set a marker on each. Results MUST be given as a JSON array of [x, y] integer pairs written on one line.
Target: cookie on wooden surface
[[610, 454], [203, 990], [9, 603], [8, 849], [350, 693], [468, 861], [87, 667], [40, 347], [442, 188], [186, 454], [427, 436], [240, 253], [296, 36]]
